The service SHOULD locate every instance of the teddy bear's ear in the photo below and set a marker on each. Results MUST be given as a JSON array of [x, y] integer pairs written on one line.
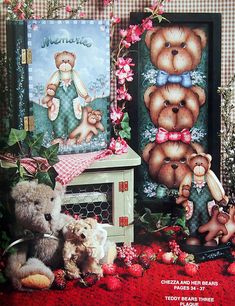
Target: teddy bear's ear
[[21, 189], [148, 93], [57, 54], [202, 35], [209, 157], [146, 151], [149, 34], [73, 54], [200, 93]]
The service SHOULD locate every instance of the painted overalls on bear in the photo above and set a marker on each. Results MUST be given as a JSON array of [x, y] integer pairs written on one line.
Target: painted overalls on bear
[[66, 121], [200, 195]]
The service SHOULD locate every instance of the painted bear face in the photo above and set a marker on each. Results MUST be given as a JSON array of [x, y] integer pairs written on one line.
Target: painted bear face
[[174, 107], [175, 49], [168, 162], [65, 61], [200, 163]]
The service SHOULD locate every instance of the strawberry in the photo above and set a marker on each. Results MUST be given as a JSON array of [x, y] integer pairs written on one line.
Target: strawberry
[[144, 261], [168, 258], [112, 283], [184, 257], [191, 268], [59, 281], [90, 279], [149, 252], [231, 269], [135, 270], [109, 269]]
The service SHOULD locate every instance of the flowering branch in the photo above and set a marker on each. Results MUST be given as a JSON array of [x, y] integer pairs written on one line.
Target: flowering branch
[[228, 136], [122, 65]]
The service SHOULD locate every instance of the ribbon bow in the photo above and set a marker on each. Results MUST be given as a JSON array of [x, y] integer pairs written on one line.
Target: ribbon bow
[[163, 77], [163, 136]]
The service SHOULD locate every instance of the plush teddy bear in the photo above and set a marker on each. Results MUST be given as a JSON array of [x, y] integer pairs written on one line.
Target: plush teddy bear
[[175, 51], [40, 224], [86, 247], [89, 126], [199, 187], [62, 96], [167, 162]]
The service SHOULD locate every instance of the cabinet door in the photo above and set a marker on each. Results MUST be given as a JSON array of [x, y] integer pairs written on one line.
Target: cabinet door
[[107, 195]]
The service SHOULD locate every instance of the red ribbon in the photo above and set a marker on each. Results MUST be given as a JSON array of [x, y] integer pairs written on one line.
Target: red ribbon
[[163, 136]]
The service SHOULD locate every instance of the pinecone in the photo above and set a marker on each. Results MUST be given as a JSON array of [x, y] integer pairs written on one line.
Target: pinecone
[[59, 281]]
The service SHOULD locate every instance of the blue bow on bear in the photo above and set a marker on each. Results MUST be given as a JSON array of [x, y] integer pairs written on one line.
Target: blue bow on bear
[[163, 77]]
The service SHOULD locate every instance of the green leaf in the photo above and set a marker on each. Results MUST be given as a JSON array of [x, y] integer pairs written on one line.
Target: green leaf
[[35, 142], [16, 136], [124, 134], [44, 178], [50, 154], [2, 278], [7, 165]]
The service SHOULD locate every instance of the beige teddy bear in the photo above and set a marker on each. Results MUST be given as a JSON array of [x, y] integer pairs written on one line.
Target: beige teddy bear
[[86, 247]]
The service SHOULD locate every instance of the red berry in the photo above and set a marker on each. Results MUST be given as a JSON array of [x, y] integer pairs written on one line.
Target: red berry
[[168, 258], [144, 261], [109, 269], [182, 259], [231, 269], [90, 279], [149, 252], [112, 283], [135, 270], [191, 268]]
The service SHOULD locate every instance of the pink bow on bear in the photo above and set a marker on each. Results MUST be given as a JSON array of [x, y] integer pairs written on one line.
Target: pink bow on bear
[[163, 136]]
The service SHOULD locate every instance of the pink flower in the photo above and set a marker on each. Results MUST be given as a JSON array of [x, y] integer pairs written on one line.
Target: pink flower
[[115, 20], [124, 74], [122, 94], [147, 24], [22, 16], [161, 9], [17, 8], [126, 44], [116, 115], [133, 34], [118, 146], [107, 2], [124, 62], [82, 14], [7, 1], [68, 9], [123, 33]]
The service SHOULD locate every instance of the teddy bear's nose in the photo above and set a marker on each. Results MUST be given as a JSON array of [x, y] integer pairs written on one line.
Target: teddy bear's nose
[[48, 217], [175, 110], [83, 236], [174, 52], [174, 166]]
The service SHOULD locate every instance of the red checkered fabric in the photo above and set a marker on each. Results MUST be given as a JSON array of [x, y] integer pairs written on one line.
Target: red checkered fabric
[[71, 166]]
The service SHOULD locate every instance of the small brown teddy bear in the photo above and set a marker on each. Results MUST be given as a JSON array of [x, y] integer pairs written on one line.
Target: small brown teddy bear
[[89, 126], [216, 225], [230, 225], [86, 247], [167, 161], [175, 51], [63, 92], [173, 107], [200, 186]]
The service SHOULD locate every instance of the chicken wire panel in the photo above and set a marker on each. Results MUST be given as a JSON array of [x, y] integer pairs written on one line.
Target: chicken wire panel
[[90, 201]]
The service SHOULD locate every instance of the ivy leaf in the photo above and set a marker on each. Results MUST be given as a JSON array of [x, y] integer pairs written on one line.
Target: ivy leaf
[[35, 142], [47, 178], [16, 136], [126, 130], [50, 154], [6, 164], [2, 278]]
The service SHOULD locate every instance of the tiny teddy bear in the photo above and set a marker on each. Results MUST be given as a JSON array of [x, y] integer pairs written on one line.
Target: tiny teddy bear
[[85, 247], [175, 51], [65, 95], [200, 186], [37, 211]]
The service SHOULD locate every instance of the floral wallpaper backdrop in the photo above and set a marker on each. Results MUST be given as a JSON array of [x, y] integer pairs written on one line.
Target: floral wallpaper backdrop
[[121, 8]]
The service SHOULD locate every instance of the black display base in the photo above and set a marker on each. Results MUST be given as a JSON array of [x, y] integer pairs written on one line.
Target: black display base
[[205, 253]]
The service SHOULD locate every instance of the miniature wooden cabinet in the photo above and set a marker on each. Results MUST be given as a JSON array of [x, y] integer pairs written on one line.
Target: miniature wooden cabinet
[[106, 190]]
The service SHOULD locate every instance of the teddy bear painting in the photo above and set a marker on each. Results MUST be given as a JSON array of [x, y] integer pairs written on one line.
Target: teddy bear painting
[[70, 72], [172, 105]]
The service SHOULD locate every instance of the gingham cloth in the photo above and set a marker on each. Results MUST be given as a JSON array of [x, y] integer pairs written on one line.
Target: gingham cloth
[[71, 166]]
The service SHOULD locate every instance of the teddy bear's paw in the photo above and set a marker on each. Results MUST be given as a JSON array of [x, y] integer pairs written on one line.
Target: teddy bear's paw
[[35, 275]]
